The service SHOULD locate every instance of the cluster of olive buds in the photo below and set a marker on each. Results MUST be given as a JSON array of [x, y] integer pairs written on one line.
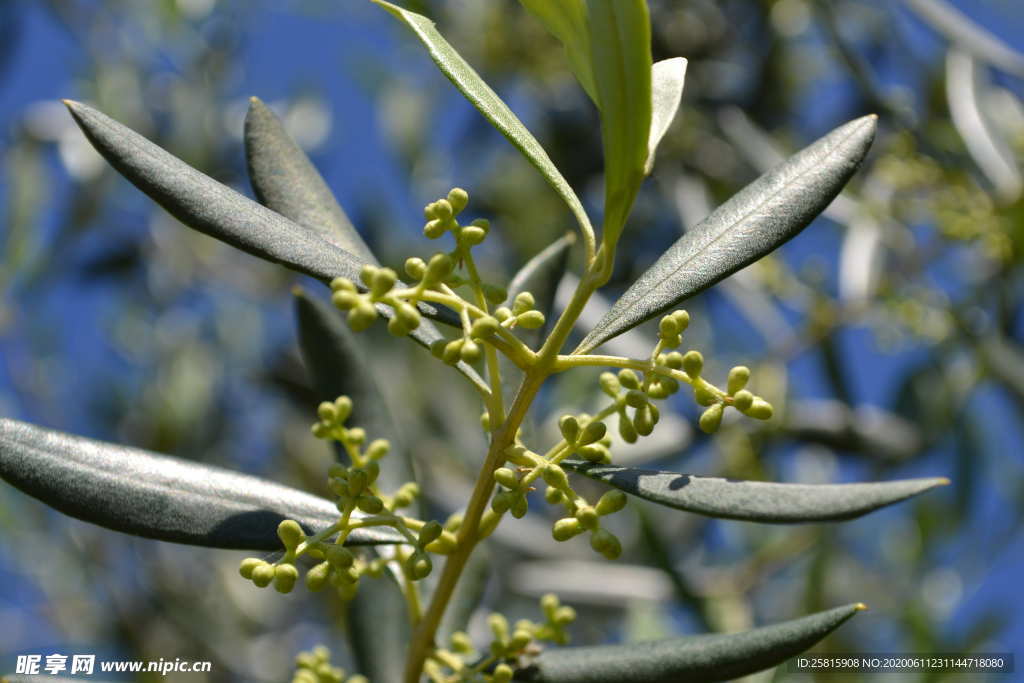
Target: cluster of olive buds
[[315, 667], [362, 306], [692, 363], [586, 517], [510, 642]]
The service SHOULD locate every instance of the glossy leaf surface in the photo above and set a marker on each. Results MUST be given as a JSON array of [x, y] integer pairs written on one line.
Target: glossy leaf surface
[[694, 658], [753, 223], [620, 57], [285, 180], [158, 496], [755, 501], [487, 102]]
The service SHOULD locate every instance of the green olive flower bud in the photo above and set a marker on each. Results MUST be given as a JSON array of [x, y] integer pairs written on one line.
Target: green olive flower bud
[[711, 419], [362, 316], [415, 267], [285, 576], [316, 578], [667, 328], [682, 319], [502, 673], [501, 502], [263, 574], [555, 476], [499, 626], [442, 210], [570, 428], [703, 395], [610, 503], [382, 282], [738, 378], [502, 313], [519, 506], [593, 432], [610, 384], [552, 495], [506, 477], [628, 379], [693, 363], [343, 284], [636, 398], [471, 235], [530, 320], [343, 404], [606, 543], [247, 565], [595, 452], [518, 454], [742, 400], [438, 268], [377, 449], [457, 199], [290, 533], [674, 360], [430, 532], [339, 556], [443, 545], [523, 302], [588, 517], [419, 565], [520, 639], [370, 504], [461, 642], [357, 481], [345, 300], [626, 429], [760, 409], [452, 351], [470, 351], [548, 604], [367, 274], [566, 528], [327, 412], [564, 616], [643, 420]]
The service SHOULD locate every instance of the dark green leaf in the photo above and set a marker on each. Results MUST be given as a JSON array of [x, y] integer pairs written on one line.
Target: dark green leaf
[[337, 365], [620, 57], [157, 496], [695, 658], [758, 219], [755, 501], [487, 102], [378, 628], [203, 204], [285, 180], [567, 21]]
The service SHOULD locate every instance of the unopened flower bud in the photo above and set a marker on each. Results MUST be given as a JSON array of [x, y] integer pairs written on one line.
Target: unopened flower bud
[[711, 418], [530, 320], [570, 428], [457, 199], [628, 379], [693, 363], [285, 576], [566, 528], [738, 378], [610, 503]]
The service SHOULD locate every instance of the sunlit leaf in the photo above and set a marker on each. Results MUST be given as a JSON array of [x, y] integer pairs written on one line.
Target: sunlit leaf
[[285, 180], [487, 102], [704, 658], [620, 55], [756, 221], [567, 21], [157, 496], [755, 501], [667, 79]]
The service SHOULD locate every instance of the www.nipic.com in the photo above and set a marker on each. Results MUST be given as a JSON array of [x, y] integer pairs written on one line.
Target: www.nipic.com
[[54, 664]]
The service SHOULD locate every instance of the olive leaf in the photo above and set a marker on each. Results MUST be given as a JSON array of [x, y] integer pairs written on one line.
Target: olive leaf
[[567, 21], [285, 180], [703, 658], [755, 501], [667, 79], [969, 35], [620, 56], [203, 204], [754, 222], [487, 102], [158, 496]]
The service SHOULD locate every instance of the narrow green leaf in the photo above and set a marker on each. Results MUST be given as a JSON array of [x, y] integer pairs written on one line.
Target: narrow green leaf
[[667, 79], [205, 205], [620, 57], [704, 658], [285, 180], [755, 501], [157, 496], [378, 627], [962, 30], [567, 21], [487, 102], [756, 221]]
